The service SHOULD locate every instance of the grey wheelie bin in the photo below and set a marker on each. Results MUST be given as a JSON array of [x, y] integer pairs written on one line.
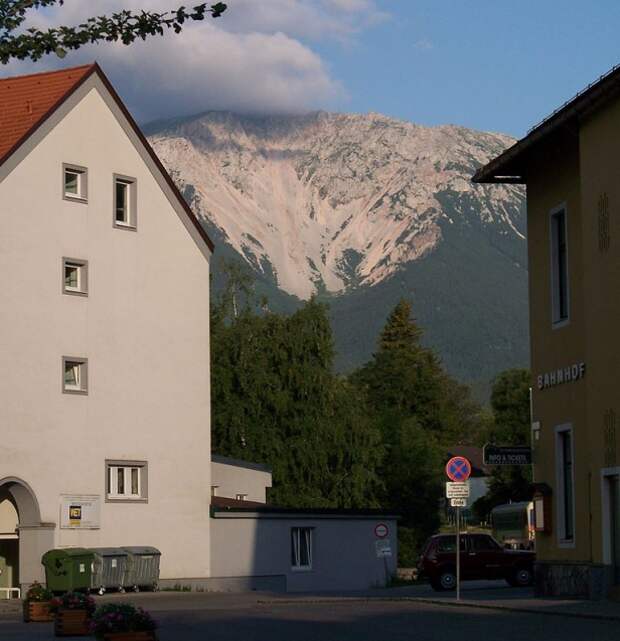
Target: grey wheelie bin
[[110, 569], [143, 567], [68, 569]]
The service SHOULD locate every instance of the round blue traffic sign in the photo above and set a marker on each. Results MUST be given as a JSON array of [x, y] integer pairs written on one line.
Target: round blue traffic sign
[[458, 469]]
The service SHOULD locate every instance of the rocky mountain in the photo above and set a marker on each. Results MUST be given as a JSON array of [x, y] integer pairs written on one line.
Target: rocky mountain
[[364, 209]]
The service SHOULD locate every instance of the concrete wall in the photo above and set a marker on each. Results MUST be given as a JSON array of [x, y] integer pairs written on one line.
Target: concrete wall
[[144, 328], [239, 478], [344, 553]]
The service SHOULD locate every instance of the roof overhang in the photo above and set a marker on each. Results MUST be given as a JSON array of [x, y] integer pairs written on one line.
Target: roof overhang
[[511, 165]]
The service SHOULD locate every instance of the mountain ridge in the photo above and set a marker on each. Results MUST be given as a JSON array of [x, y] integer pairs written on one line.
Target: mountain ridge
[[348, 204]]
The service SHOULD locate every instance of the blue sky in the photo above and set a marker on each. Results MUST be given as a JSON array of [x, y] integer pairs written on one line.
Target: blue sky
[[493, 65]]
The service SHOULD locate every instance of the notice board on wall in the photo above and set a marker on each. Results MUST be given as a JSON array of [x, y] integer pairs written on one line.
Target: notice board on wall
[[80, 511]]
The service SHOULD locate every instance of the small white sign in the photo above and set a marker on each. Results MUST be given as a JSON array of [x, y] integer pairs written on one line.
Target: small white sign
[[458, 502], [457, 490], [80, 512], [383, 548]]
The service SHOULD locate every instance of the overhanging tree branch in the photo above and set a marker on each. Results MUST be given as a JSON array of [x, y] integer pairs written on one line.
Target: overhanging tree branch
[[124, 26]]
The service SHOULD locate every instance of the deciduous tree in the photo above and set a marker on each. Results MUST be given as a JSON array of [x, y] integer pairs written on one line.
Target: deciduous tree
[[18, 41]]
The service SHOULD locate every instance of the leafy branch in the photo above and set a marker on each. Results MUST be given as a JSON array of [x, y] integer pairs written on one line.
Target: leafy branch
[[124, 26]]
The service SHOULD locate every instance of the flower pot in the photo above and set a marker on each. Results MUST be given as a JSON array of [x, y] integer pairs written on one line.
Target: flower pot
[[130, 636], [71, 623], [37, 612]]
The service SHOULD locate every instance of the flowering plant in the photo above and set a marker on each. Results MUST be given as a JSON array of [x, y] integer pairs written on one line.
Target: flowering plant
[[120, 617], [39, 593], [73, 601]]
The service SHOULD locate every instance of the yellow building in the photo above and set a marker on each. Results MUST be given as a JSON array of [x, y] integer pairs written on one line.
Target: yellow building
[[570, 164]]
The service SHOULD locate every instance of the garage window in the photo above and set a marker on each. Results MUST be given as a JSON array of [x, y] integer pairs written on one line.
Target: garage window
[[301, 548]]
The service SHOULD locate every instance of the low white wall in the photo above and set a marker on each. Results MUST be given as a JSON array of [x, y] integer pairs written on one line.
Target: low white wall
[[239, 478]]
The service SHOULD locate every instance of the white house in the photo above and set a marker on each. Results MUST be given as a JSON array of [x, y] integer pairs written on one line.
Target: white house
[[104, 377], [104, 333]]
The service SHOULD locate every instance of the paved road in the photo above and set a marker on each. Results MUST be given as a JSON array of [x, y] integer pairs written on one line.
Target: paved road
[[225, 617]]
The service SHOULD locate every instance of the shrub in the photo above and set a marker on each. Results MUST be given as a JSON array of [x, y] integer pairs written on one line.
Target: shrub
[[73, 601], [120, 617], [38, 593]]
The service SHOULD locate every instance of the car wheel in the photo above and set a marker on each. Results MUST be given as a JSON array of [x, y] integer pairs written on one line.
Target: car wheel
[[522, 577], [447, 580]]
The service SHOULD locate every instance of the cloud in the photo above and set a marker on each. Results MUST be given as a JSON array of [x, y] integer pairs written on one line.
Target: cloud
[[258, 57], [424, 45]]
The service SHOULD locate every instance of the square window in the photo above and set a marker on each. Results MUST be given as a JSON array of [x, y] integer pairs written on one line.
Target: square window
[[125, 202], [75, 375], [241, 497], [126, 480], [301, 548], [74, 276], [74, 182]]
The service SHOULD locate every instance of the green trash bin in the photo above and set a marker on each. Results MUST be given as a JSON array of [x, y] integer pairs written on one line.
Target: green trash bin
[[68, 569]]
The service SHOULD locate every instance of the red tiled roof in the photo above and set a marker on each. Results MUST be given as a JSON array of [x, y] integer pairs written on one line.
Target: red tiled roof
[[25, 101]]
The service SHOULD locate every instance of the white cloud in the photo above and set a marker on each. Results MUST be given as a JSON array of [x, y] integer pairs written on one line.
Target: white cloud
[[257, 57], [424, 44]]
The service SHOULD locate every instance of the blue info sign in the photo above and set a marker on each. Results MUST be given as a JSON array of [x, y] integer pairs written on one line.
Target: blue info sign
[[458, 469]]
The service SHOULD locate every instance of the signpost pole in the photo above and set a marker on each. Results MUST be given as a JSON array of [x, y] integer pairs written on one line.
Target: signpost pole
[[458, 470], [458, 553]]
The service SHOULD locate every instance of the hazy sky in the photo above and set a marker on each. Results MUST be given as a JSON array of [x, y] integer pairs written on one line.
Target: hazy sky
[[496, 65]]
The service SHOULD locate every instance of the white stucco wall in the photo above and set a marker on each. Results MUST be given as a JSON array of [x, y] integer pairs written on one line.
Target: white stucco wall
[[232, 479], [8, 518], [144, 328]]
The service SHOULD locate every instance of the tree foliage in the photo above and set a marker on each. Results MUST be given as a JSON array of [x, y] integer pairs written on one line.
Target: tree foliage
[[420, 412], [510, 403], [20, 42], [375, 439], [277, 401]]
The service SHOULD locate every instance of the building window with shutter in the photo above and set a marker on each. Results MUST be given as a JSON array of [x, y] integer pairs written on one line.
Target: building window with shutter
[[565, 479], [126, 481], [559, 267], [301, 548]]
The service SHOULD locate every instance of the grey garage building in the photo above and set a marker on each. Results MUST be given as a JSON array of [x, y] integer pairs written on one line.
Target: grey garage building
[[264, 547]]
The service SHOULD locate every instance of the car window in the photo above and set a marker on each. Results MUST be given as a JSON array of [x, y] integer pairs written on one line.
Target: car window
[[448, 544], [482, 543]]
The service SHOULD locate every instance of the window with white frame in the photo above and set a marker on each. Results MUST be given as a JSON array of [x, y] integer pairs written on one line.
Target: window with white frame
[[214, 489], [74, 182], [126, 480], [301, 548], [565, 484], [125, 202], [241, 497], [559, 267], [75, 276], [75, 375]]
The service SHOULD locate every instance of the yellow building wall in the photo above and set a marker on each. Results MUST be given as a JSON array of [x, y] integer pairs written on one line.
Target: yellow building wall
[[553, 180], [600, 180]]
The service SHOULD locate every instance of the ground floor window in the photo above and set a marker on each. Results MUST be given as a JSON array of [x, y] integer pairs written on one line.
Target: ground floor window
[[565, 482], [301, 548], [126, 480]]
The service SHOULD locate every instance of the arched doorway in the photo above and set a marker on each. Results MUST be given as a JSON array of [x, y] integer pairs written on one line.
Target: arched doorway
[[23, 537]]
